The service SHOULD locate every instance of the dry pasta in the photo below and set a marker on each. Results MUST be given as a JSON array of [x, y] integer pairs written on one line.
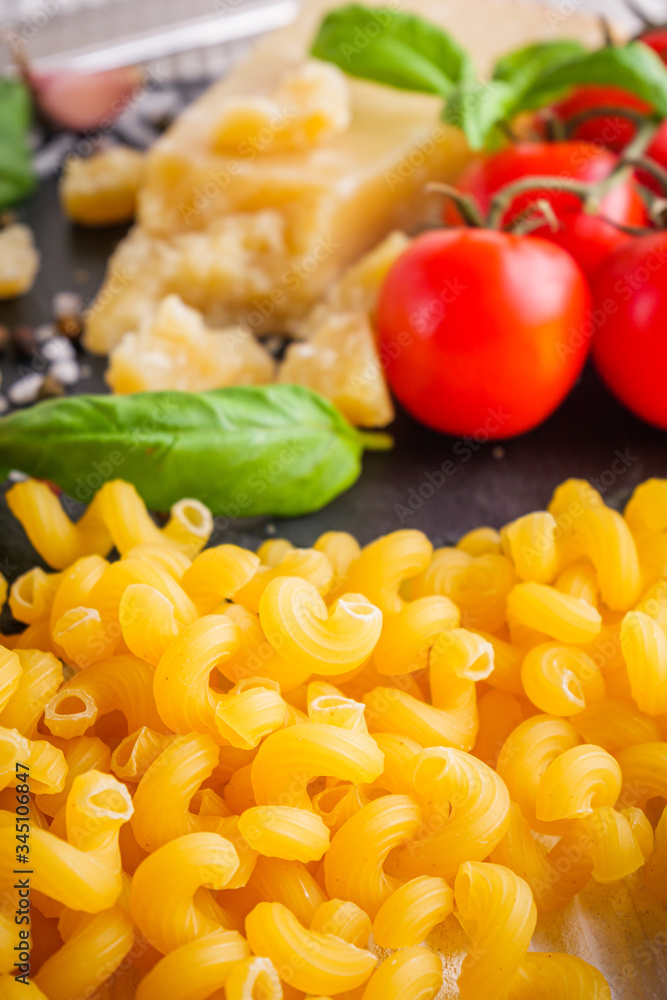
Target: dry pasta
[[250, 772]]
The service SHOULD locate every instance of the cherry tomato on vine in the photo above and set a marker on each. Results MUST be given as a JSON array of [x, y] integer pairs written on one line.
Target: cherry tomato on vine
[[630, 342], [610, 129], [481, 330], [589, 238]]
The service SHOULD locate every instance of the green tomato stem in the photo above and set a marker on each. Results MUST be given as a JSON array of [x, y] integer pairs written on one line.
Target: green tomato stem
[[502, 200], [467, 206]]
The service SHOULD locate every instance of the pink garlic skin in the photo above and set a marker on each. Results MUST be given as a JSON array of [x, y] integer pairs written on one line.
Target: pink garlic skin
[[84, 101]]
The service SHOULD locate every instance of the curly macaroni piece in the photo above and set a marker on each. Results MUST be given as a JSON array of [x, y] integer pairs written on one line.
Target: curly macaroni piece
[[217, 574], [579, 579], [385, 564], [344, 919], [284, 832], [309, 565], [148, 622], [45, 762], [614, 846], [409, 974], [526, 755], [548, 976], [162, 898], [162, 801], [409, 635], [480, 542], [309, 961], [40, 676], [359, 876], [135, 754], [578, 780], [82, 754], [256, 657], [329, 706], [547, 610], [250, 711], [116, 517], [91, 954], [644, 768], [84, 638], [589, 528], [614, 725], [342, 550], [183, 695], [555, 877], [530, 542], [253, 977], [497, 911], [466, 812], [121, 683], [412, 911], [289, 883], [289, 759], [479, 585], [561, 680], [10, 675], [644, 646], [84, 871], [195, 970], [302, 629], [31, 595], [655, 873]]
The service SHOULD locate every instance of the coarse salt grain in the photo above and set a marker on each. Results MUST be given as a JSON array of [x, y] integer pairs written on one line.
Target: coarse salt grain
[[66, 371], [25, 390]]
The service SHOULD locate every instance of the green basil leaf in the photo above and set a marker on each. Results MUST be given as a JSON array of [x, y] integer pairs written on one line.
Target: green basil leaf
[[634, 67], [477, 108], [279, 449], [391, 47], [527, 63], [16, 174]]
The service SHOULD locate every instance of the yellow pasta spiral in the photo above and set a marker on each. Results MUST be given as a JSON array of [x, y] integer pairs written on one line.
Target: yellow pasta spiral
[[360, 876], [561, 680], [466, 813], [304, 631], [309, 961], [497, 911], [548, 976]]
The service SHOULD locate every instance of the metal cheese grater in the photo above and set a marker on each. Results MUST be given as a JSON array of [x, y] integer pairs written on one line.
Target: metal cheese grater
[[191, 39], [187, 39]]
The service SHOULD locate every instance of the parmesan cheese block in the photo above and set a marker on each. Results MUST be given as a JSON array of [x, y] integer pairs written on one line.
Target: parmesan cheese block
[[279, 176]]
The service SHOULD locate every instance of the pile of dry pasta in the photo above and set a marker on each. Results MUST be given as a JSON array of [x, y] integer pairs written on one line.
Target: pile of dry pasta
[[256, 776]]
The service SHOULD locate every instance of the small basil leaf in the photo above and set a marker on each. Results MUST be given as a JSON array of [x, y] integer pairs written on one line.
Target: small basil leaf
[[634, 67], [477, 108], [16, 173], [279, 449], [392, 47]]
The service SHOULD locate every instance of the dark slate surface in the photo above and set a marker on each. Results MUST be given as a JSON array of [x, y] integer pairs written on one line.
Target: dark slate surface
[[490, 482]]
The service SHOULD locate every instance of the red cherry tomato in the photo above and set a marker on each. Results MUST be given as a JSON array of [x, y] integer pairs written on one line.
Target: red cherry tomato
[[481, 330], [657, 39], [609, 130], [612, 131], [630, 343], [588, 238]]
